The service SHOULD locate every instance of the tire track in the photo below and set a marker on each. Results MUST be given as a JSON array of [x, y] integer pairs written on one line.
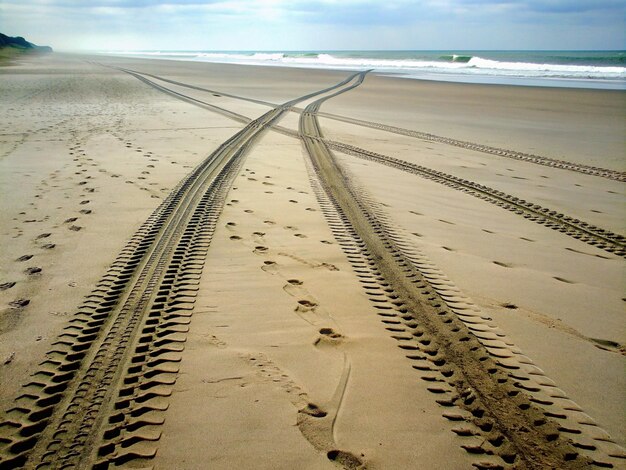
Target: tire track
[[467, 363], [203, 104], [499, 152], [194, 87], [572, 422], [99, 397], [484, 439], [467, 417], [583, 231], [571, 226]]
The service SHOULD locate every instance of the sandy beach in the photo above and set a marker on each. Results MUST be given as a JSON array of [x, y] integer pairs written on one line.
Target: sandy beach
[[227, 266]]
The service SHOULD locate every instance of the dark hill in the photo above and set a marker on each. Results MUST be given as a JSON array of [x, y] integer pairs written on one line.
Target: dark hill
[[21, 43]]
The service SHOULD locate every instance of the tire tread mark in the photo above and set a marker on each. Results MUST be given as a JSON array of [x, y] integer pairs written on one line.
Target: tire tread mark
[[506, 153], [587, 436], [532, 441], [55, 420], [588, 233], [512, 154], [573, 227], [404, 329]]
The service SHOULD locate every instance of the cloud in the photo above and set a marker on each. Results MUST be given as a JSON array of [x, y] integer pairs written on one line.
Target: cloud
[[315, 24]]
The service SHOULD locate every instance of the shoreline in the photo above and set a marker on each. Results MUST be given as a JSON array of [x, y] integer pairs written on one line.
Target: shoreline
[[431, 72], [279, 330], [521, 82]]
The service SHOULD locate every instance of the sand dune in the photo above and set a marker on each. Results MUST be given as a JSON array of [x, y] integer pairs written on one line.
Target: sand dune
[[220, 266]]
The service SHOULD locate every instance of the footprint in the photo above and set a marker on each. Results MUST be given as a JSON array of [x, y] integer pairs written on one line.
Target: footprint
[[509, 305], [293, 201], [71, 219], [235, 237], [305, 308], [19, 303], [299, 235], [24, 258], [269, 222], [566, 281], [260, 249], [86, 201], [6, 285], [328, 336], [75, 228], [312, 409], [85, 211], [269, 266], [293, 288], [32, 270], [607, 345], [310, 209], [258, 234], [448, 248], [43, 235], [326, 242], [215, 341], [248, 211]]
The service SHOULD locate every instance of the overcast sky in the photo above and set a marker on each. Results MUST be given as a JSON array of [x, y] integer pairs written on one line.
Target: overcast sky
[[317, 24]]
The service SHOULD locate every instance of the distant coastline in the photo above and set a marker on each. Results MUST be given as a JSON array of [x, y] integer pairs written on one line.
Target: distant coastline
[[586, 69], [13, 47]]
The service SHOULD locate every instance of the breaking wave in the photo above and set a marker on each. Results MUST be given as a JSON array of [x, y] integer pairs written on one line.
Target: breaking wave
[[462, 64]]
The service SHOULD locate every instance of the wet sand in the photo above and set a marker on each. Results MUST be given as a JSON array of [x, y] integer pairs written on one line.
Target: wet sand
[[293, 350]]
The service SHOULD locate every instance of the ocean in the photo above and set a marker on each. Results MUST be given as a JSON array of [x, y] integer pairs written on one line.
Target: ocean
[[586, 69]]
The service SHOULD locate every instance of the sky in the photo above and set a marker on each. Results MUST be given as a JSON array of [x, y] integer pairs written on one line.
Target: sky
[[108, 25]]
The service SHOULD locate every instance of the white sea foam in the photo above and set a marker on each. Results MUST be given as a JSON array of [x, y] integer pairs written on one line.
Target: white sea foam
[[459, 65], [550, 68]]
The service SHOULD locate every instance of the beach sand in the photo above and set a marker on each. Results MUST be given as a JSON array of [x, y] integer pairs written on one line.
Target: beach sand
[[243, 317]]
